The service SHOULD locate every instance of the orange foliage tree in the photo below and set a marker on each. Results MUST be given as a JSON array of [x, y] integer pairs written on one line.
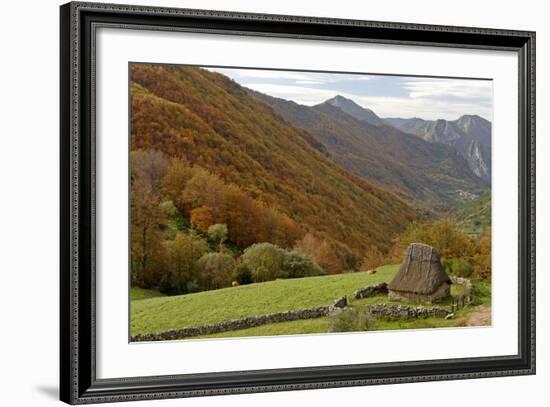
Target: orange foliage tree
[[320, 252]]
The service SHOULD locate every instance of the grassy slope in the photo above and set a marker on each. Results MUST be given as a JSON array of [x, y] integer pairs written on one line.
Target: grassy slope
[[321, 325], [161, 314], [137, 294], [475, 216]]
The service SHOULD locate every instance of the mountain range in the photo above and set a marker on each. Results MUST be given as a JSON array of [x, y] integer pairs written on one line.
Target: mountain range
[[470, 135], [429, 174]]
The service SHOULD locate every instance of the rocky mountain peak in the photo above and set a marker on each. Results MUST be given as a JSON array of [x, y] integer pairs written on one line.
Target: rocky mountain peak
[[353, 109]]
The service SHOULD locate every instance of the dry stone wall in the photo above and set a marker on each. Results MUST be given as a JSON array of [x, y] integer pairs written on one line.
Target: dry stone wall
[[243, 323], [232, 325], [370, 291], [403, 312]]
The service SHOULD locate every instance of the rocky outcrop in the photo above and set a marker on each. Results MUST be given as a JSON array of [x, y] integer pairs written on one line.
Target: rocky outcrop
[[340, 303], [470, 135]]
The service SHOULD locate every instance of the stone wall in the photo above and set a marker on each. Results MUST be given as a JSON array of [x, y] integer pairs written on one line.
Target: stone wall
[[242, 323], [443, 291], [232, 325], [370, 291], [402, 312]]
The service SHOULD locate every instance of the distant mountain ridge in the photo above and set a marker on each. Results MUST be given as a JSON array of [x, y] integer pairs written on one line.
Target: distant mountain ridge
[[353, 109], [469, 134], [430, 174]]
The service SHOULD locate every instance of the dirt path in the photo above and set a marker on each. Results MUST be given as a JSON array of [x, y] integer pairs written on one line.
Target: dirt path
[[480, 317]]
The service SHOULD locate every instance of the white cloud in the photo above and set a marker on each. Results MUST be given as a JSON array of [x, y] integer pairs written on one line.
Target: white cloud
[[428, 98], [384, 106], [309, 82], [299, 94], [458, 88], [241, 74]]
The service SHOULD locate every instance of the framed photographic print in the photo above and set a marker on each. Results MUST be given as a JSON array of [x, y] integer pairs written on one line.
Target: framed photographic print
[[255, 203]]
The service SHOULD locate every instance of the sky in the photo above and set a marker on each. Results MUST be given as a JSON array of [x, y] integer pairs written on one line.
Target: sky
[[386, 95]]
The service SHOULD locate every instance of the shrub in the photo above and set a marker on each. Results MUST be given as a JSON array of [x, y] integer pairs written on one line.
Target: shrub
[[296, 265], [373, 258], [445, 236], [171, 285], [447, 265], [242, 274], [265, 261], [214, 270], [458, 267], [165, 284], [483, 256], [350, 320], [320, 252], [172, 213]]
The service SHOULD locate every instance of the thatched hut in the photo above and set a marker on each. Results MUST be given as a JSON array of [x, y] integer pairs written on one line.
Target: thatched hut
[[421, 276]]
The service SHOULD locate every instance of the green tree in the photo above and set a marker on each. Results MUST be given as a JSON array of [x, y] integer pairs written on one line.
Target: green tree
[[296, 265], [265, 261], [181, 255], [242, 274], [482, 258], [445, 236], [218, 234], [214, 270]]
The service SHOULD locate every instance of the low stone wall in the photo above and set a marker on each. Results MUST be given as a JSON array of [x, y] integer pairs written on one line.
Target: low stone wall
[[370, 291], [242, 323], [403, 312], [232, 325]]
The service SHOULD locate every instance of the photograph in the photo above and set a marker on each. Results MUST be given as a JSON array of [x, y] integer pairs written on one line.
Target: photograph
[[270, 202]]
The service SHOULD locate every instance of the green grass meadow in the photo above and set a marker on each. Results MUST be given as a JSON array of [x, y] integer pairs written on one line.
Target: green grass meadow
[[153, 312], [137, 294], [207, 307]]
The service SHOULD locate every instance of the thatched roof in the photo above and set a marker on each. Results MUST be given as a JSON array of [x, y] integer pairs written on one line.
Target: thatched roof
[[421, 271]]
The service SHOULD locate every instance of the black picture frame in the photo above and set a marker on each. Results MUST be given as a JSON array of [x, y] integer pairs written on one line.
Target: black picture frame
[[78, 382]]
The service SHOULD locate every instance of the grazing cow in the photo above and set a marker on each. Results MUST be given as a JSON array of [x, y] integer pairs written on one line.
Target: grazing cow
[[373, 271]]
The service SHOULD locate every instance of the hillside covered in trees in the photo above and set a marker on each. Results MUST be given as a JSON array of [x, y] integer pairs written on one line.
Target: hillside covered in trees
[[216, 128]]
